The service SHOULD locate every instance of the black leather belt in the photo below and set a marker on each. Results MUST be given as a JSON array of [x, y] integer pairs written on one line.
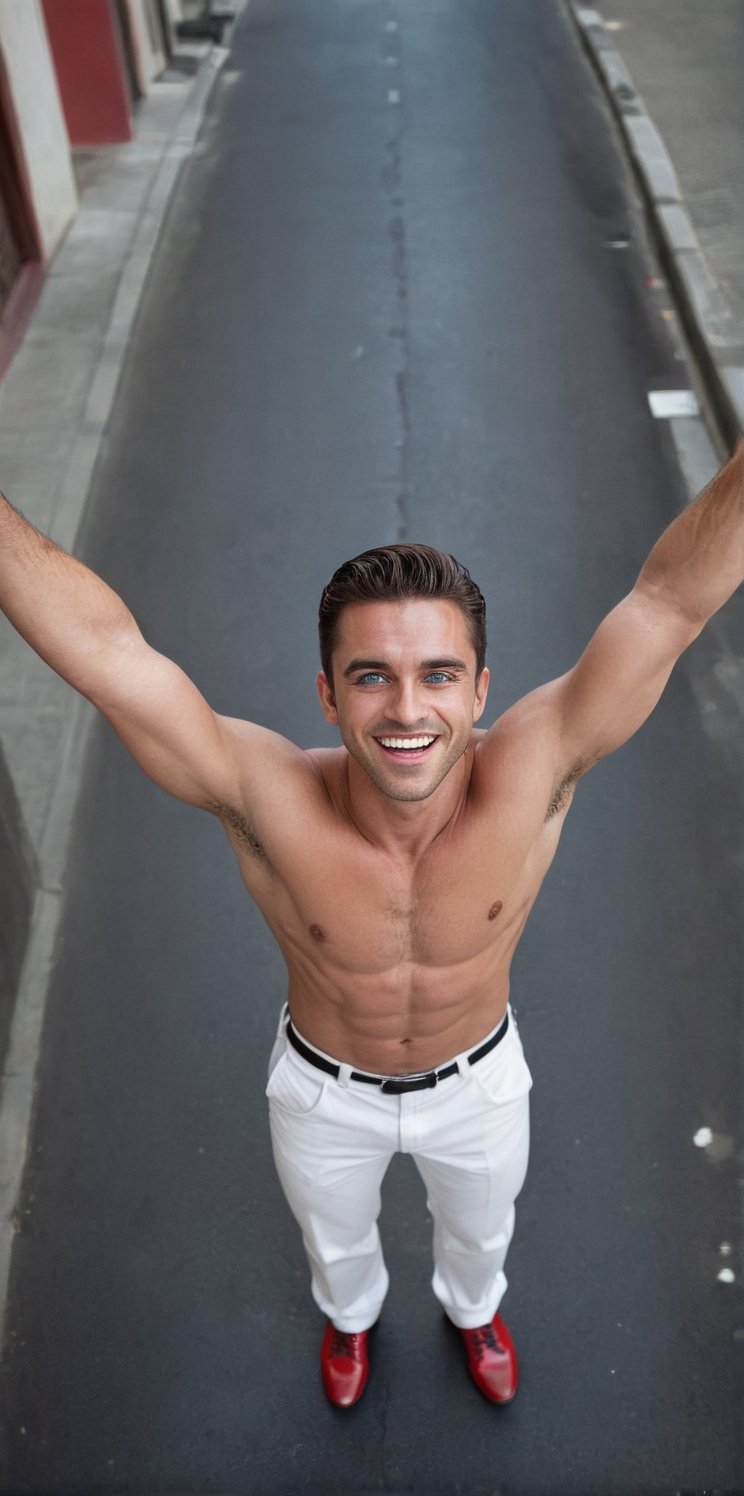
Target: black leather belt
[[395, 1086]]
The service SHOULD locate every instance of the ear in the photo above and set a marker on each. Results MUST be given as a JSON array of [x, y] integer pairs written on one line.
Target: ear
[[327, 699], [481, 692]]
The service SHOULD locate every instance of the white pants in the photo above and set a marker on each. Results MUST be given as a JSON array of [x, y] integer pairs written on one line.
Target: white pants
[[469, 1138]]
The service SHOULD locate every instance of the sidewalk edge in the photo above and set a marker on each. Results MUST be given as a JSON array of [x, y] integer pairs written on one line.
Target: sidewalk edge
[[716, 341], [19, 1075]]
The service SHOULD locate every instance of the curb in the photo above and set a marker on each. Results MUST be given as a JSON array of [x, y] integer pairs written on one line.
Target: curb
[[716, 339], [105, 381], [19, 880]]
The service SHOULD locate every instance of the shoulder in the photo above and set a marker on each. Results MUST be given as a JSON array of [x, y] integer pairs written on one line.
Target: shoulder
[[267, 765], [280, 787], [531, 726], [274, 764], [250, 738], [520, 756]]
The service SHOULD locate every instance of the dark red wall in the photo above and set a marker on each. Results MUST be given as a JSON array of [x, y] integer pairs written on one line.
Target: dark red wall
[[90, 70]]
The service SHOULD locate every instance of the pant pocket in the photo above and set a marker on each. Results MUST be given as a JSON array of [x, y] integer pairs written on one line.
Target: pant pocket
[[504, 1075], [291, 1088]]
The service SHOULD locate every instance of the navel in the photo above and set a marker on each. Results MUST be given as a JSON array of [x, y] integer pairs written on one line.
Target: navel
[[495, 909], [316, 932]]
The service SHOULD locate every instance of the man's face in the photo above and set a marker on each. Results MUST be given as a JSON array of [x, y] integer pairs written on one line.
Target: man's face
[[404, 693]]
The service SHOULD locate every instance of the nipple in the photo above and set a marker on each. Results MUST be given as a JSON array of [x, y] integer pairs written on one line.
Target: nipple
[[316, 932], [495, 909]]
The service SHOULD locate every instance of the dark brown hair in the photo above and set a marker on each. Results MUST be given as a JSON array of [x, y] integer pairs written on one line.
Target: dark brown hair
[[391, 573]]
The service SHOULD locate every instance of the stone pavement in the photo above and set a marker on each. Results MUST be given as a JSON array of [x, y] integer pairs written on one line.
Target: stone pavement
[[673, 73]]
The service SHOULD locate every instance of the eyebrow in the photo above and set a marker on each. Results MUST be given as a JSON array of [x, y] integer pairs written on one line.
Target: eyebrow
[[448, 663]]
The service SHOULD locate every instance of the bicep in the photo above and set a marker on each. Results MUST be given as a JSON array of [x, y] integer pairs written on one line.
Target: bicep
[[620, 677], [171, 731]]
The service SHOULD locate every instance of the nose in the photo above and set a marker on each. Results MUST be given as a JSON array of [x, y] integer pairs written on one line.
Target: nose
[[406, 704]]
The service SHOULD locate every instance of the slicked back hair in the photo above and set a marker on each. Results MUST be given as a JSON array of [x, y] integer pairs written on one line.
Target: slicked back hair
[[394, 573]]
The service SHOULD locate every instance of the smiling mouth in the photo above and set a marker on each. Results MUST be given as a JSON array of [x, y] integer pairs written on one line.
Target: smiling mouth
[[407, 747]]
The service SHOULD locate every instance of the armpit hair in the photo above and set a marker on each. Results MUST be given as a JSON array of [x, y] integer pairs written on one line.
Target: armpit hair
[[242, 831], [564, 793]]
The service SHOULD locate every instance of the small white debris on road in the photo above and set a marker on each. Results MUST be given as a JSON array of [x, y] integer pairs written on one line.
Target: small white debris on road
[[703, 1137]]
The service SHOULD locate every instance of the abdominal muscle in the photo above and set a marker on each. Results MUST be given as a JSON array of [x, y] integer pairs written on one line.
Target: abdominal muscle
[[399, 1022]]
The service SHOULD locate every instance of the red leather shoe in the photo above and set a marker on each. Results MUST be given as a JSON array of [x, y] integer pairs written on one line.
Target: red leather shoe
[[344, 1363], [492, 1360]]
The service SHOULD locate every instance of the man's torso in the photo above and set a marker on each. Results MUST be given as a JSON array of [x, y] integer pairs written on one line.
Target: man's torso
[[397, 963]]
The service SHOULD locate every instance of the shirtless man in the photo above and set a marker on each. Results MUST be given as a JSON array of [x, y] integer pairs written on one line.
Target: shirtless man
[[396, 874]]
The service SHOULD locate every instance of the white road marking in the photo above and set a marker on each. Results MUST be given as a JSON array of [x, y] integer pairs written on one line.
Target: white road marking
[[665, 404], [726, 1275]]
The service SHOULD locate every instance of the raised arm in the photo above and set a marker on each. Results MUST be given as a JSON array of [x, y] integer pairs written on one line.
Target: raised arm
[[692, 570], [87, 634]]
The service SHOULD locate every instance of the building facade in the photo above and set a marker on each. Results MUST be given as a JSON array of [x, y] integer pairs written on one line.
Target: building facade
[[71, 72]]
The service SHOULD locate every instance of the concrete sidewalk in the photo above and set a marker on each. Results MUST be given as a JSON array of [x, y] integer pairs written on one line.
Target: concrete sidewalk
[[672, 71], [55, 402]]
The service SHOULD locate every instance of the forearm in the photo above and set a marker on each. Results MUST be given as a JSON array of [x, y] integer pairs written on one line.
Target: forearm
[[699, 560], [65, 612]]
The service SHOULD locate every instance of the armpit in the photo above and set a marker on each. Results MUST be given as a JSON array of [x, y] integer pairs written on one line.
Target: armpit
[[564, 793], [242, 832]]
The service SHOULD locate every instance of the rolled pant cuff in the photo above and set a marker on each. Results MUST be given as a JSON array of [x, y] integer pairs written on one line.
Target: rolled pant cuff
[[472, 1321], [353, 1326]]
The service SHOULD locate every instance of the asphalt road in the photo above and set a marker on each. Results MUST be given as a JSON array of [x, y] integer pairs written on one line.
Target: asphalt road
[[401, 298]]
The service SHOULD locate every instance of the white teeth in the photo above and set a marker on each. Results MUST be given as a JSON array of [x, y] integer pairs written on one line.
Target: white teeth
[[406, 742]]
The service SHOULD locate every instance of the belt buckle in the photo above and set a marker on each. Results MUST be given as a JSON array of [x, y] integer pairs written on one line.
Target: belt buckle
[[424, 1080]]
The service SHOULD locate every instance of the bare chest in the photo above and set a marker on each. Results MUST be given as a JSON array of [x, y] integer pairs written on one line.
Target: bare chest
[[361, 911]]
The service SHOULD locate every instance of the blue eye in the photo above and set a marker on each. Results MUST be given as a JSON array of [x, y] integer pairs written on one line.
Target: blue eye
[[439, 675], [372, 675]]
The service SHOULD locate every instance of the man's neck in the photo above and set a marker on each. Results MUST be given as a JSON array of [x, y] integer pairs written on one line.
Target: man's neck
[[405, 828]]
